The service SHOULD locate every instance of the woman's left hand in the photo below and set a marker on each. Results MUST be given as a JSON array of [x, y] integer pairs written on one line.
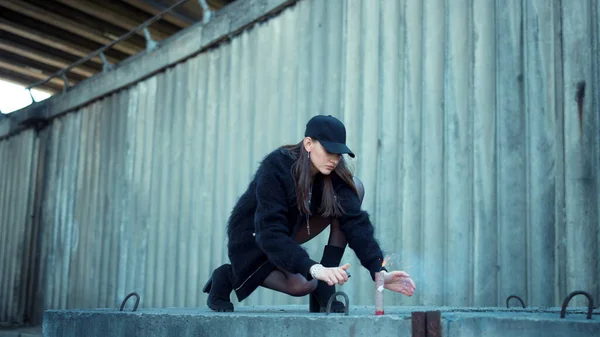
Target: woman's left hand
[[399, 281]]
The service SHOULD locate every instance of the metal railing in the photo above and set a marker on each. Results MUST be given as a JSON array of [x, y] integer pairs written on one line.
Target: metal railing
[[107, 66]]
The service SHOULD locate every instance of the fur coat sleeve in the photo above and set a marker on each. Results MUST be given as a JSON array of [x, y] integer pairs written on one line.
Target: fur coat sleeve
[[357, 228]]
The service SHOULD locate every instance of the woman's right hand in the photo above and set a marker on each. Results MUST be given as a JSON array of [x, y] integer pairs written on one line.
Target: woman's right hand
[[331, 275]]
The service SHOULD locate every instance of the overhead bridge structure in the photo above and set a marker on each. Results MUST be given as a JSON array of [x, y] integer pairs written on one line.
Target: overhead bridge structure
[[39, 39]]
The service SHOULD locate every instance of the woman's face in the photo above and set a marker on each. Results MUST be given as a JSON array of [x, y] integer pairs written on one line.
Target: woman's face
[[321, 160]]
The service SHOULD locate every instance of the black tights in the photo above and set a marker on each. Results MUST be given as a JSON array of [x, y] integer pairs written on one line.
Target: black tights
[[296, 284]]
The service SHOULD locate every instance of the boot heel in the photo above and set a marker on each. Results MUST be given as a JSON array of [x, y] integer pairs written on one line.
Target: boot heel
[[219, 287], [207, 286]]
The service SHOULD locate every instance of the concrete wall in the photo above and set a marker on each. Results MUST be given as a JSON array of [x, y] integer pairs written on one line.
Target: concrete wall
[[479, 178]]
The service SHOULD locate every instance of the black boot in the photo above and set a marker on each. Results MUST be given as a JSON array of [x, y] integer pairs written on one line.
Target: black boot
[[218, 288], [332, 256]]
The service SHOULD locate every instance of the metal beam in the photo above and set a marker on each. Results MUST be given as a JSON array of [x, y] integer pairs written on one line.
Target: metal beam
[[66, 23], [176, 19], [140, 16], [218, 4], [43, 57], [45, 38], [25, 80], [30, 72], [39, 68], [115, 18]]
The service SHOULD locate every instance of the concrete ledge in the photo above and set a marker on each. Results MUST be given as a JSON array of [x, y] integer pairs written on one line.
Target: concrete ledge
[[295, 321]]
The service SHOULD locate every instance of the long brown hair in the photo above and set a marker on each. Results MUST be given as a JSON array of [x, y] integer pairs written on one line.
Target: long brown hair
[[330, 206]]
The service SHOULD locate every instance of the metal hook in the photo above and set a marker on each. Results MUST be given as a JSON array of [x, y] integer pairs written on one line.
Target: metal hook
[[563, 310], [137, 301], [514, 296], [332, 298]]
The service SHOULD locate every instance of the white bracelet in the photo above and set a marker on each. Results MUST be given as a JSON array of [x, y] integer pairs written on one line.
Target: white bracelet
[[314, 269]]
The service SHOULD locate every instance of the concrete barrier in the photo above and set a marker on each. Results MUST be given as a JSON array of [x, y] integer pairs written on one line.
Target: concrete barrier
[[295, 321]]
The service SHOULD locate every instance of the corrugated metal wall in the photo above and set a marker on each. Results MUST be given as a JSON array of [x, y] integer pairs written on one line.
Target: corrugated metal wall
[[463, 116], [18, 163]]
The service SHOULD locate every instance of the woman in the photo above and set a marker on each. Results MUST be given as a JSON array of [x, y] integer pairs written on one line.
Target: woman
[[296, 193]]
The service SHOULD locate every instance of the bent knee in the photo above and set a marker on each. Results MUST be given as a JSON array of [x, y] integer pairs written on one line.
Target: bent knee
[[360, 188], [302, 287]]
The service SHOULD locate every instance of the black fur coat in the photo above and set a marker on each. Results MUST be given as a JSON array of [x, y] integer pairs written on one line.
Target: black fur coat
[[263, 224]]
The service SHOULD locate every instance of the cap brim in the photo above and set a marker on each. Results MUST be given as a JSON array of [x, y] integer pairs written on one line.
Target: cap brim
[[338, 148]]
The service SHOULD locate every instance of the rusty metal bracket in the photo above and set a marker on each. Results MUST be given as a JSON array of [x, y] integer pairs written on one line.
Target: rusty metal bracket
[[563, 309], [31, 95], [332, 298], [66, 82], [106, 66], [137, 301], [517, 297], [206, 12], [426, 324], [150, 43]]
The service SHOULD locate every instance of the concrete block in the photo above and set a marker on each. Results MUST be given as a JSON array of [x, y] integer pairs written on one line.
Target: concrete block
[[9, 333], [247, 321], [31, 334], [295, 321], [547, 325], [22, 332]]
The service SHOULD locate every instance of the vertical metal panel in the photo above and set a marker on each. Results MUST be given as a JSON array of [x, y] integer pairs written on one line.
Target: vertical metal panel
[[18, 163], [541, 127], [512, 220], [101, 222], [129, 238], [483, 110], [160, 223], [190, 282], [559, 211], [5, 173], [596, 103], [466, 135], [359, 119], [143, 177], [433, 210], [457, 154], [411, 244], [580, 171], [179, 276], [210, 154], [388, 202]]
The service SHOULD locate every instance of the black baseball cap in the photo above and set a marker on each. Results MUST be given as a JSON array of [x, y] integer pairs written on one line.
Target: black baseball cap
[[330, 132]]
